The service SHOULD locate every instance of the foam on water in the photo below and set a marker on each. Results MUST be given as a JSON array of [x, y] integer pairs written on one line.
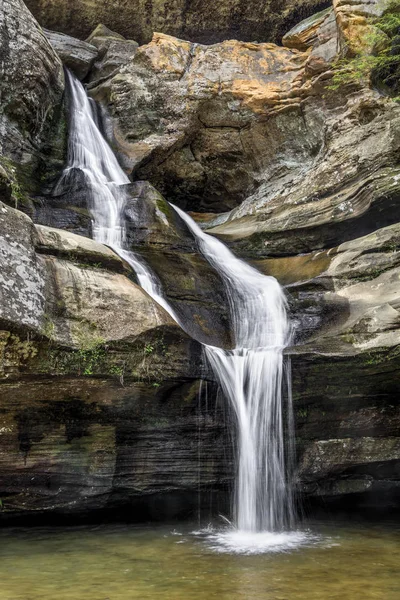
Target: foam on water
[[235, 541]]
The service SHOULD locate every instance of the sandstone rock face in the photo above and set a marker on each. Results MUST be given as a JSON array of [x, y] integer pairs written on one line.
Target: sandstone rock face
[[305, 34], [91, 369], [204, 21], [203, 138], [68, 301], [76, 55], [346, 366], [31, 87], [254, 129], [76, 446]]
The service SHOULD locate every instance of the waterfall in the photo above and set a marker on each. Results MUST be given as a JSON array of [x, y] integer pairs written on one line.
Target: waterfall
[[106, 183], [252, 374]]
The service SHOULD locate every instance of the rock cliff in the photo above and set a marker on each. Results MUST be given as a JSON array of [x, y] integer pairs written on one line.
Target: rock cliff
[[196, 20], [101, 395]]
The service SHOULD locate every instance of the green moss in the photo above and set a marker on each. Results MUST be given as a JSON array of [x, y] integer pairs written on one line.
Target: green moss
[[19, 199], [379, 60], [303, 413]]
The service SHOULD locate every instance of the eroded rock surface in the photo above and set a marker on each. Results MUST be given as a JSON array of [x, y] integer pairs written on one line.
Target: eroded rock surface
[[205, 21], [31, 88], [96, 381], [346, 366], [254, 131]]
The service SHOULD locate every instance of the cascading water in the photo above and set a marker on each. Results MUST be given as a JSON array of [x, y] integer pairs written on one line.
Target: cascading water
[[251, 375], [106, 182]]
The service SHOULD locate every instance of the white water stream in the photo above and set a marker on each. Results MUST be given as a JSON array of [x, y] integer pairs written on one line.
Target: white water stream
[[252, 374]]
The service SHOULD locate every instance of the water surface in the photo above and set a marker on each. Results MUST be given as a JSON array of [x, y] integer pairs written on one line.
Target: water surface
[[340, 561]]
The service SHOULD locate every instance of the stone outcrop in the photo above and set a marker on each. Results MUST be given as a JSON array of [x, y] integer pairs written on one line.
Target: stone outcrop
[[346, 366], [72, 300], [254, 131], [205, 21], [203, 138], [96, 381], [114, 51], [31, 87], [155, 232]]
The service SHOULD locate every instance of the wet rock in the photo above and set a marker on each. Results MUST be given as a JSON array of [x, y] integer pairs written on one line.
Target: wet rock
[[78, 56], [194, 289], [77, 446]]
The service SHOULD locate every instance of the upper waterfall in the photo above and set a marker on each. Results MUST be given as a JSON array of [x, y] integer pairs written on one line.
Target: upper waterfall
[[89, 152], [252, 374]]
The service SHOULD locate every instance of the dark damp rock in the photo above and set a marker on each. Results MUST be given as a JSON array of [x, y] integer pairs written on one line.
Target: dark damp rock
[[74, 446], [194, 289], [66, 205], [205, 22], [76, 55], [150, 220], [347, 423]]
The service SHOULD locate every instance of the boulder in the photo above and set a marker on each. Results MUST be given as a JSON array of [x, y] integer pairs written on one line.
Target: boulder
[[78, 56], [31, 114], [114, 51]]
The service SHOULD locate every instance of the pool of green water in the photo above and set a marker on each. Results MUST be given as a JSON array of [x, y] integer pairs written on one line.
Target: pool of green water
[[324, 561]]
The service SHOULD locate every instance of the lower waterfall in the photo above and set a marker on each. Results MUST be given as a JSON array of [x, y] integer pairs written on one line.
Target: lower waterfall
[[252, 375]]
